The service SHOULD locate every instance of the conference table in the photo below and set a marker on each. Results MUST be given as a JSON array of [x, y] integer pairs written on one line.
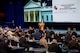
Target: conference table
[[37, 50], [17, 49], [64, 49], [45, 50], [37, 41]]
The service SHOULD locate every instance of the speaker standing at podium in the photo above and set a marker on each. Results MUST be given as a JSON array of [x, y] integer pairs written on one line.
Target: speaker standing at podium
[[41, 25]]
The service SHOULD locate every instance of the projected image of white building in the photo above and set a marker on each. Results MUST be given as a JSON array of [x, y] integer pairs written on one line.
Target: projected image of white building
[[34, 12]]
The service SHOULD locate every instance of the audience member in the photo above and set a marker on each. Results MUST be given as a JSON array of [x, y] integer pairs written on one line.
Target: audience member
[[37, 35], [1, 30], [57, 36], [23, 42], [52, 32], [73, 44], [46, 30], [1, 33], [31, 30], [20, 29], [4, 48], [15, 37], [54, 47], [10, 33], [43, 41], [68, 36], [68, 29], [48, 38], [74, 32]]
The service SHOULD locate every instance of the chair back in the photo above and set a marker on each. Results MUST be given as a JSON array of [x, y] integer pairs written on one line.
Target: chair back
[[74, 51], [52, 52]]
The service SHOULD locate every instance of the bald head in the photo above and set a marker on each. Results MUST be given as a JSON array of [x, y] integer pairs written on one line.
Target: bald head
[[54, 41]]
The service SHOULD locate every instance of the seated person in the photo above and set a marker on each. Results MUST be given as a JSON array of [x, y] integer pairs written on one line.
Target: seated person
[[57, 36], [31, 30], [73, 44], [54, 47], [37, 35], [4, 48], [43, 41], [52, 32], [68, 36], [74, 32], [23, 42]]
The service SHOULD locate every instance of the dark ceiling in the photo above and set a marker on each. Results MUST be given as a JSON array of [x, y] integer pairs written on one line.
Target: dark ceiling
[[3, 3]]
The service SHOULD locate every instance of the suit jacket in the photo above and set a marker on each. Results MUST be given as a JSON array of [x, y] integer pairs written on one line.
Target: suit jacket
[[23, 42], [54, 48], [37, 35], [4, 47]]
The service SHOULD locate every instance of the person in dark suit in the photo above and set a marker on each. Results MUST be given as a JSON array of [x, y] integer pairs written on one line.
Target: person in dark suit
[[37, 35], [31, 30], [23, 42], [68, 36], [4, 48], [74, 32], [57, 36], [54, 47]]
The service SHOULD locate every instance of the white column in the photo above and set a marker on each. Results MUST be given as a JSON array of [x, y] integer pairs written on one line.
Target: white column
[[25, 18], [28, 16], [34, 17], [39, 16]]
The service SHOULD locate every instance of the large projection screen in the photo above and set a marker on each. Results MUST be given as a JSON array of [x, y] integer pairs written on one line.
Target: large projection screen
[[66, 10]]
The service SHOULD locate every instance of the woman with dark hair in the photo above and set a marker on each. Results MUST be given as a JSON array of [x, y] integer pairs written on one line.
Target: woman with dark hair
[[73, 44]]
